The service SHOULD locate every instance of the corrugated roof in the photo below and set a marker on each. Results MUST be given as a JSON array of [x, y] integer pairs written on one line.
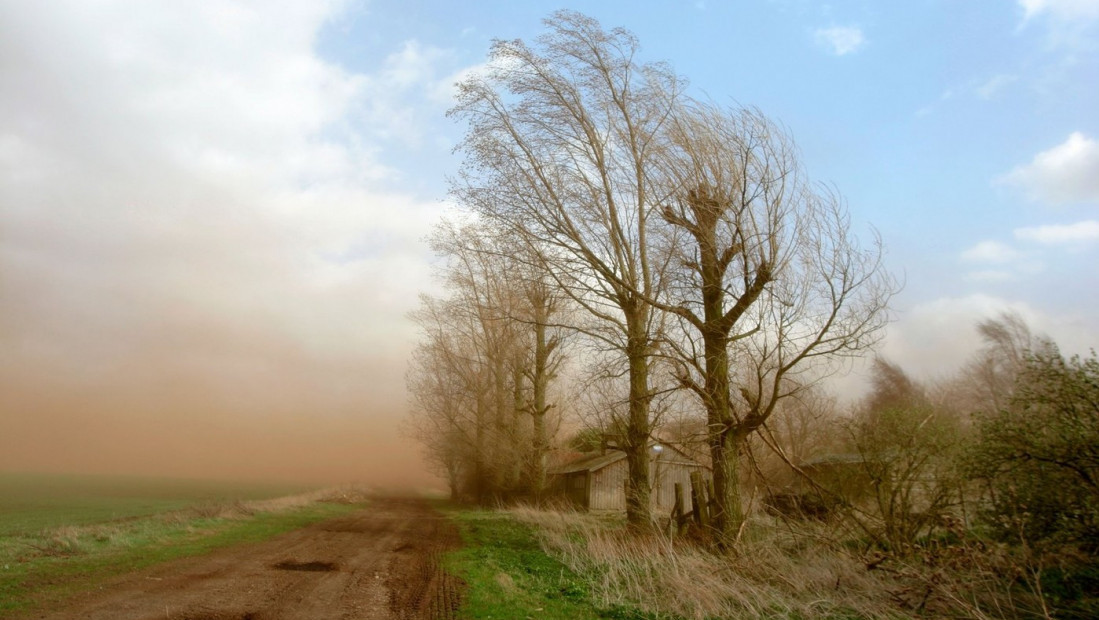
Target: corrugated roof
[[590, 462], [599, 460]]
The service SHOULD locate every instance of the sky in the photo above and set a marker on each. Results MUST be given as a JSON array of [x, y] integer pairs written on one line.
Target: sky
[[212, 212]]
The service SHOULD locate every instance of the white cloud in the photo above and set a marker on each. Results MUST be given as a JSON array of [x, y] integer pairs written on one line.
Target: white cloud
[[414, 86], [178, 174], [1086, 231], [934, 339], [990, 276], [990, 252], [1069, 24], [445, 90], [994, 85], [414, 64], [1066, 173], [1060, 9], [840, 40], [998, 262]]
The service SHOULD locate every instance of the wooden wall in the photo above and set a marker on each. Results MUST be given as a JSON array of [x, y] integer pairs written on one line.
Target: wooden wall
[[604, 489], [608, 485], [664, 476]]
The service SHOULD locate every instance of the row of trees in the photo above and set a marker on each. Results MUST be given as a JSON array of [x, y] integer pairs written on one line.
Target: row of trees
[[678, 242], [480, 379]]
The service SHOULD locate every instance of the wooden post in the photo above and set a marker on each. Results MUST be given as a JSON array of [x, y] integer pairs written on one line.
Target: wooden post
[[698, 498], [678, 516], [711, 503]]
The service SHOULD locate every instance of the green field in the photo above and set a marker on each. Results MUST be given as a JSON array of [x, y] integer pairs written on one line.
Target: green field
[[30, 503], [63, 534]]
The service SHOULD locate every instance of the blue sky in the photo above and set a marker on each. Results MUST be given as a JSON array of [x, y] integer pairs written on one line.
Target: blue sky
[[225, 200], [964, 132]]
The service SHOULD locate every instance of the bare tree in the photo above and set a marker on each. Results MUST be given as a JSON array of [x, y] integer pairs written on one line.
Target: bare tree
[[987, 383], [543, 303], [532, 306], [449, 413], [481, 378], [772, 286], [561, 147]]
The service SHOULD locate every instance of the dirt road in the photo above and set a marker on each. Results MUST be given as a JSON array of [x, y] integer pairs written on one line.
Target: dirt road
[[379, 563]]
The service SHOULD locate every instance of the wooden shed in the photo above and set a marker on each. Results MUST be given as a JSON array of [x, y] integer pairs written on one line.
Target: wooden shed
[[597, 481], [845, 474]]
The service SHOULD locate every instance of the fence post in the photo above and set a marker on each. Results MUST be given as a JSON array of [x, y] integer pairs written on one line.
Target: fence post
[[698, 498], [711, 503], [678, 513]]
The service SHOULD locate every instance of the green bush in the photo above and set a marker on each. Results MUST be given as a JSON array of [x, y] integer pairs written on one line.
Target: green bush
[[1039, 455]]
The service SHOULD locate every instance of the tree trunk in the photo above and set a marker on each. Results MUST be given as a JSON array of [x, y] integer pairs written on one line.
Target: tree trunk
[[480, 473], [539, 406], [454, 480], [724, 451], [728, 512], [638, 510], [715, 328], [541, 374]]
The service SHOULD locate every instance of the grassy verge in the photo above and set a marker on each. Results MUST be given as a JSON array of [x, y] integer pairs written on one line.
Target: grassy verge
[[509, 575], [529, 563], [771, 577], [46, 567]]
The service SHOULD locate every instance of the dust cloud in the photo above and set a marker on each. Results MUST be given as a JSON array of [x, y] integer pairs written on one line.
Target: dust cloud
[[230, 400], [204, 268], [188, 431]]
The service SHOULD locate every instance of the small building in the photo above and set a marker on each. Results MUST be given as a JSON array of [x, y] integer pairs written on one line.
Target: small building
[[597, 481], [845, 474]]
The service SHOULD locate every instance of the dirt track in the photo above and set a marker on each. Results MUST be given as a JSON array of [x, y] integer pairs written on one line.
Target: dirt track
[[381, 562]]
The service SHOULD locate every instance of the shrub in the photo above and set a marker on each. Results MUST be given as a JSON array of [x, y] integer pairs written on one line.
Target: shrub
[[1039, 455]]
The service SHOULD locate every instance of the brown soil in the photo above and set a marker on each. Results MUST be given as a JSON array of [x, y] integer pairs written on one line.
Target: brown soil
[[379, 563]]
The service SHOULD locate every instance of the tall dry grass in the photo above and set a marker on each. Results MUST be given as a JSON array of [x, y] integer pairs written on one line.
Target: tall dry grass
[[777, 571]]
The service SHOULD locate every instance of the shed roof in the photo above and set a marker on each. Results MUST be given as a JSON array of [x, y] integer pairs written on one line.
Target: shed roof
[[589, 462], [599, 460]]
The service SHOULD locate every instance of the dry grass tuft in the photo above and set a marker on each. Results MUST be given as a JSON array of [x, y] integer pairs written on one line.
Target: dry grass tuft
[[777, 571], [769, 577]]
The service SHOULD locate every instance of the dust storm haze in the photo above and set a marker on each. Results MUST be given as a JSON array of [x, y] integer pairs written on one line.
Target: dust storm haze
[[199, 275], [289, 421], [173, 387]]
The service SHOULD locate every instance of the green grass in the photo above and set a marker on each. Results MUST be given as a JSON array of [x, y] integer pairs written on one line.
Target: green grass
[[30, 503], [509, 576], [73, 533]]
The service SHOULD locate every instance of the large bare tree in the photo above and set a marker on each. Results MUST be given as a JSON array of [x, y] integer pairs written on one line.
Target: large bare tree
[[562, 143], [770, 283]]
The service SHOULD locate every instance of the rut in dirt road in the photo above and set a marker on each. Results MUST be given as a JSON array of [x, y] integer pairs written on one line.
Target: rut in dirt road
[[380, 563]]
